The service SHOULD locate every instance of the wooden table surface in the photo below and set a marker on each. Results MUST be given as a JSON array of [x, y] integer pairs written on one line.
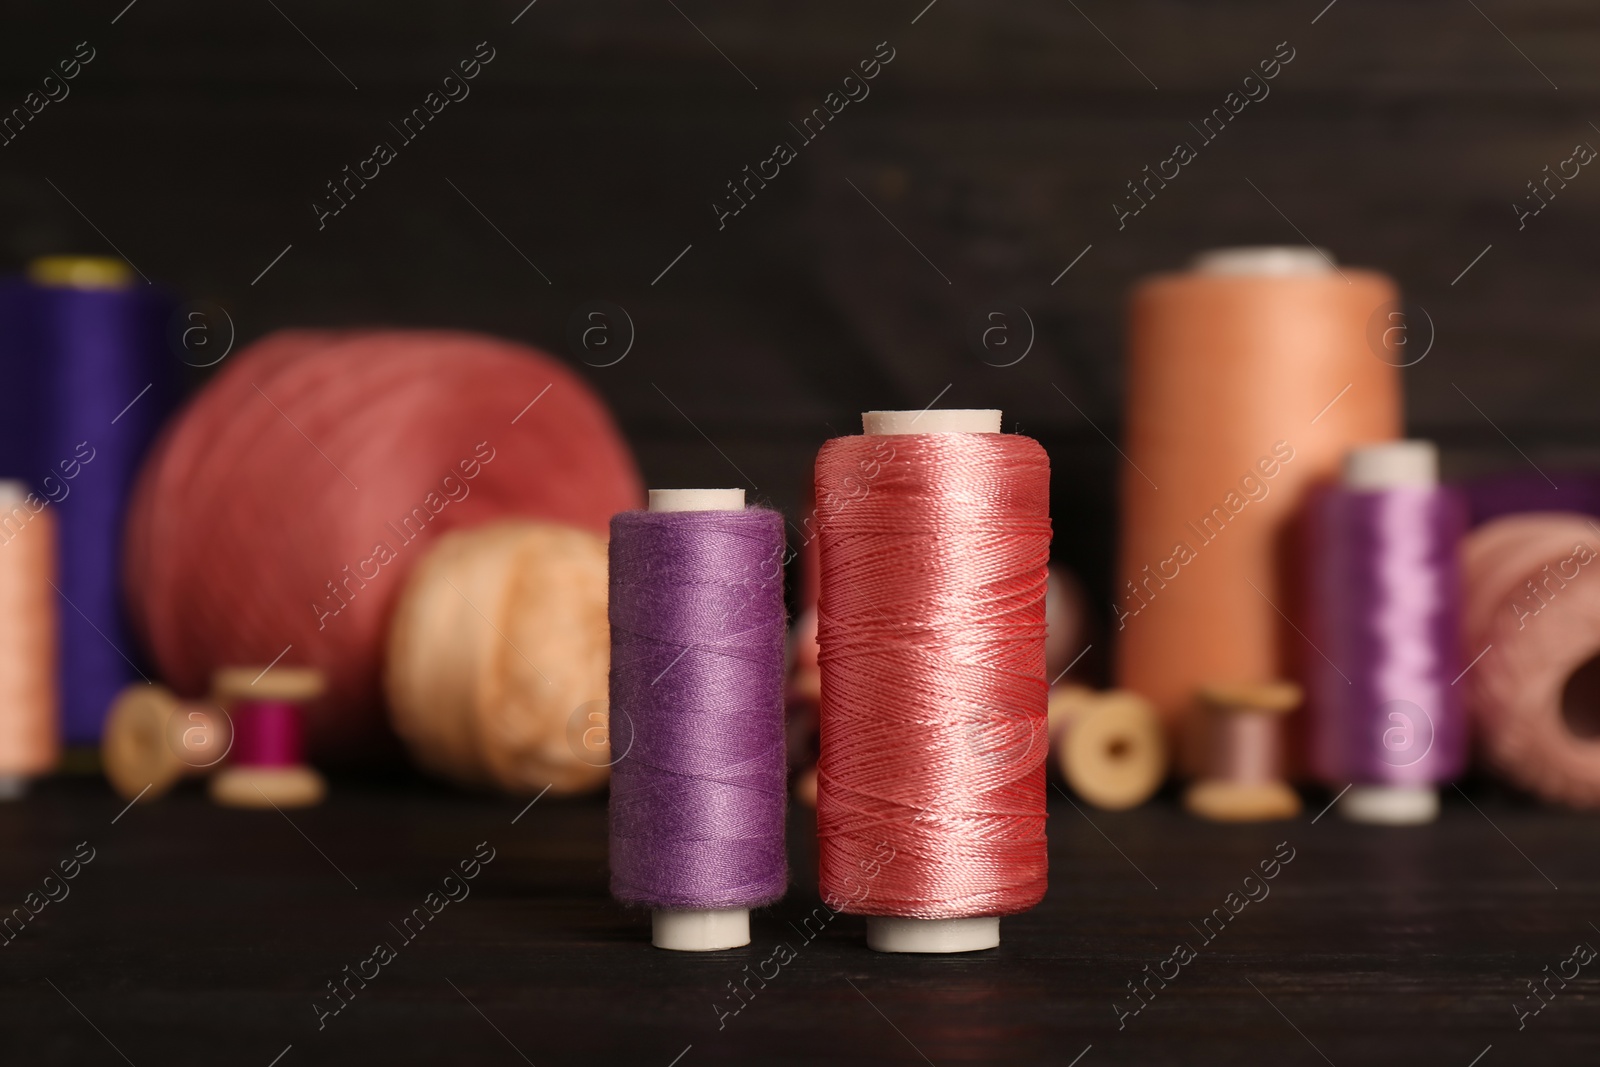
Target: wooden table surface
[[198, 935]]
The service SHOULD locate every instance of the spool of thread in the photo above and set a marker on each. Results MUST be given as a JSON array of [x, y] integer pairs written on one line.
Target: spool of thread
[[267, 765], [1533, 612], [1243, 757], [1249, 378], [931, 626], [83, 357], [153, 741], [286, 506], [1383, 554], [497, 655], [1109, 747], [697, 792], [29, 745]]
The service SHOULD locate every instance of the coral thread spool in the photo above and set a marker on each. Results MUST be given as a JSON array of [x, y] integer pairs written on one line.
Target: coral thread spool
[[932, 649], [266, 767], [29, 696], [697, 794], [1110, 747], [153, 740], [1243, 776]]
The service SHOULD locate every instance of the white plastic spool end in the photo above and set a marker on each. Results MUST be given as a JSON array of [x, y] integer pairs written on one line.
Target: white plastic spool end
[[1390, 805], [889, 934], [931, 420], [697, 500], [700, 929], [1392, 465], [1273, 261], [13, 786]]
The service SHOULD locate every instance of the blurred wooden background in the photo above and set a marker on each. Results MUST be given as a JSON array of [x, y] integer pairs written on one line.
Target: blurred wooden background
[[996, 142]]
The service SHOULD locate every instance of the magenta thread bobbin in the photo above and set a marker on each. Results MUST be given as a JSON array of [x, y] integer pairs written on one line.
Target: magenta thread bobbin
[[266, 766]]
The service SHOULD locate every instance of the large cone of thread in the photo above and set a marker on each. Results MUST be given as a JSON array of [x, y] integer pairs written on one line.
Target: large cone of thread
[[1249, 377]]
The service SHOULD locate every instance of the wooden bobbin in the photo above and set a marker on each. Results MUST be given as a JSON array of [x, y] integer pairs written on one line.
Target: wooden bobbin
[[153, 740], [1242, 776], [1110, 747], [292, 785]]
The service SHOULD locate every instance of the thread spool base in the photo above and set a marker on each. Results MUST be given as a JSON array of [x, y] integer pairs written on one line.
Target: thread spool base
[[890, 934], [700, 929], [13, 786], [266, 787], [1224, 801], [1390, 805]]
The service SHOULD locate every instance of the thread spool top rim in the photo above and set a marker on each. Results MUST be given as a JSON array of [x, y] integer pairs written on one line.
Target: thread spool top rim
[[670, 500], [1273, 261], [80, 272], [13, 491], [1392, 465], [930, 420], [273, 683], [1271, 698]]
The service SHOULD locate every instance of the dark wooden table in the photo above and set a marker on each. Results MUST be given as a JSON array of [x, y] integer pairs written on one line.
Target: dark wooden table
[[198, 935]]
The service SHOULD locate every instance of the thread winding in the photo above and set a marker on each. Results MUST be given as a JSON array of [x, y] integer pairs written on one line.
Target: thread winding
[[84, 359], [1385, 598], [697, 640], [29, 737], [931, 629], [289, 502], [1533, 601]]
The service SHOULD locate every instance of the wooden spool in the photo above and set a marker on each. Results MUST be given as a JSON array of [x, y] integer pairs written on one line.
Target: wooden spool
[[153, 740], [1109, 746], [288, 786], [1242, 755]]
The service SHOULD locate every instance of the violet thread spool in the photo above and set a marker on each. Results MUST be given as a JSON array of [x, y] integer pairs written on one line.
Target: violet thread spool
[[697, 663], [266, 767], [1385, 604]]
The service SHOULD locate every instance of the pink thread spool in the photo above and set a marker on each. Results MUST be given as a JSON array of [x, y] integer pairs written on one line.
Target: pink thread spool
[[267, 765]]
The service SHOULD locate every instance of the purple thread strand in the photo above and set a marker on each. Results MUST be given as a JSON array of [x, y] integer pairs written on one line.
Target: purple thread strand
[[1385, 588], [697, 635]]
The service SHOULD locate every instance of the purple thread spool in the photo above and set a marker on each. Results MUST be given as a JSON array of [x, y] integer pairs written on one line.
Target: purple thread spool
[[697, 645], [1385, 605]]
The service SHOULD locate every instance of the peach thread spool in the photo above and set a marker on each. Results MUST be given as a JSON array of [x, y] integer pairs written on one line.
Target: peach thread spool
[[1249, 378], [1109, 747], [153, 741], [29, 693], [1243, 760], [266, 767], [495, 669]]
